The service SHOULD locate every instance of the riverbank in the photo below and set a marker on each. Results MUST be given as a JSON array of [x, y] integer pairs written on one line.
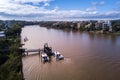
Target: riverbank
[[117, 33], [105, 27], [10, 55], [81, 30]]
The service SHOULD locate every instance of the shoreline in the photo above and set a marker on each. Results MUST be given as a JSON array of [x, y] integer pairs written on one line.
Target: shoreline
[[11, 68], [96, 32]]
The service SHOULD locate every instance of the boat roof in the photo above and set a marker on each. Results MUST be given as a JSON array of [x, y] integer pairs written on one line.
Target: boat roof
[[44, 55], [56, 52]]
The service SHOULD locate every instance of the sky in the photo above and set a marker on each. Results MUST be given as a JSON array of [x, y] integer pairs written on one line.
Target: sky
[[59, 10]]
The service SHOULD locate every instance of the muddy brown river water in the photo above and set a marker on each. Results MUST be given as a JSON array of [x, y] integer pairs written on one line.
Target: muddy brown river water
[[88, 56]]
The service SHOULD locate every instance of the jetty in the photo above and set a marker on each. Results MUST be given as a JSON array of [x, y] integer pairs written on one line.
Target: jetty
[[34, 50], [46, 49]]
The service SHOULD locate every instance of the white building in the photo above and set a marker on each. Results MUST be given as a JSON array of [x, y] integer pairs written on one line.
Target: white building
[[71, 25], [107, 25], [110, 25], [2, 34], [78, 25], [97, 25], [9, 24], [88, 25]]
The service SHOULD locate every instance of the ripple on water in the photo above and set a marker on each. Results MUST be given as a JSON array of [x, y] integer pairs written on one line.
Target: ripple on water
[[67, 61]]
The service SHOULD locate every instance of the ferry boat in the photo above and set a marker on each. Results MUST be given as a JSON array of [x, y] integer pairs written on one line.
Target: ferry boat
[[58, 55], [48, 50], [45, 58]]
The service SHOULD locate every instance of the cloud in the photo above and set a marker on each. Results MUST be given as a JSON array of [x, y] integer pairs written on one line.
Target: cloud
[[46, 4], [26, 1], [91, 8], [98, 3], [102, 3], [107, 15], [94, 5], [21, 10], [118, 2]]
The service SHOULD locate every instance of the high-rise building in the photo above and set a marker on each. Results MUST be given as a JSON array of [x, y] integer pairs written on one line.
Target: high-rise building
[[107, 25], [8, 23], [110, 25], [78, 25]]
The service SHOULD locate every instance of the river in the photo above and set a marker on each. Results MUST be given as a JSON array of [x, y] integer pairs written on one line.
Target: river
[[88, 56]]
